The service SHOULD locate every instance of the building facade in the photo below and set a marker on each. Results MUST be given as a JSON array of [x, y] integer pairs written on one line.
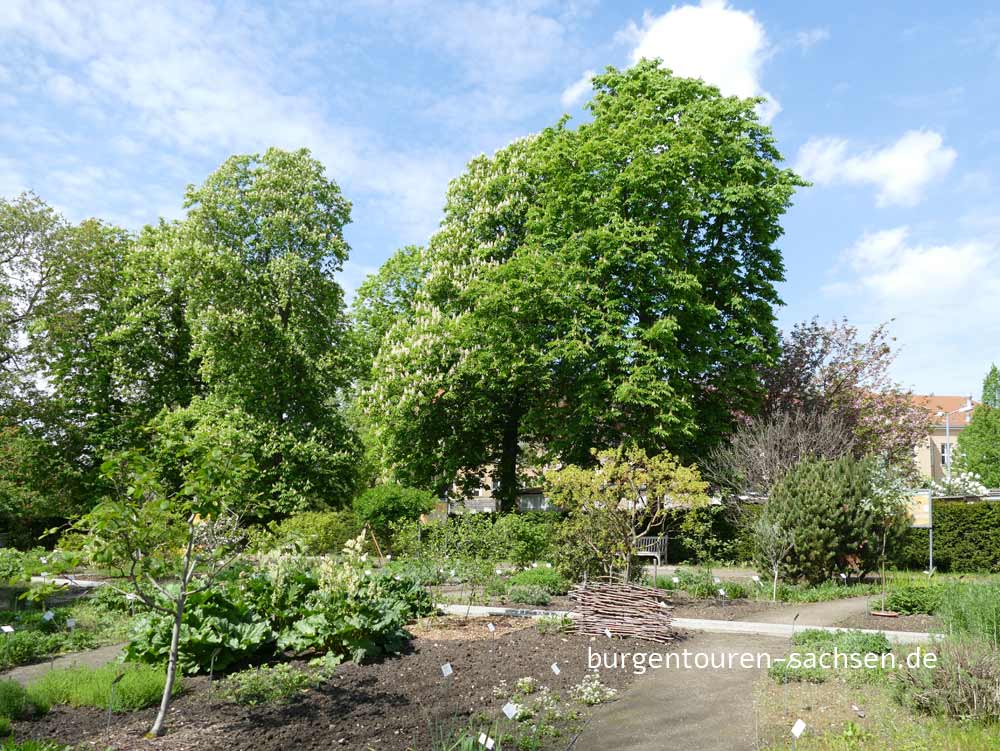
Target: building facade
[[950, 414]]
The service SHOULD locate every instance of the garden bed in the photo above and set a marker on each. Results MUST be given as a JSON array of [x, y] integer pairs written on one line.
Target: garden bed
[[393, 705], [922, 623]]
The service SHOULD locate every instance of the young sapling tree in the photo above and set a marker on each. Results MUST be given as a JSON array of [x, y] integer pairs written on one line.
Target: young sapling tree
[[168, 531], [772, 544]]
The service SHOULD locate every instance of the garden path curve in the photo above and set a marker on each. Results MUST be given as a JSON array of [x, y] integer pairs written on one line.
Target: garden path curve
[[702, 710]]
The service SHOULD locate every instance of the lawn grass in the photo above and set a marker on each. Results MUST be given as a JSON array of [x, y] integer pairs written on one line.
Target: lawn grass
[[141, 686]]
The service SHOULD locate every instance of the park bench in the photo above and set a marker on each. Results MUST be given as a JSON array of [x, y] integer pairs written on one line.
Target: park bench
[[653, 547]]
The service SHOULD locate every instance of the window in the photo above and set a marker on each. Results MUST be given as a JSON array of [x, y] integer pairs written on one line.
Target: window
[[945, 454]]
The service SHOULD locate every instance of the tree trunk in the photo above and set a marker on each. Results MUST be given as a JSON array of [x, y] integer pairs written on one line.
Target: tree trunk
[[506, 493], [774, 586], [159, 723]]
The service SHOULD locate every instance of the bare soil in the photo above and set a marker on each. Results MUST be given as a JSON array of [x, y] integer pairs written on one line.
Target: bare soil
[[922, 623], [397, 704]]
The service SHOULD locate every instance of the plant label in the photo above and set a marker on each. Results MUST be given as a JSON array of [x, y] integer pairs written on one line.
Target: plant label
[[388, 557], [446, 669], [722, 593], [844, 577], [453, 573], [607, 632], [548, 565], [7, 629], [798, 729], [491, 627], [499, 572], [48, 616], [482, 739], [71, 623], [717, 580], [534, 565], [490, 743], [676, 580], [756, 579], [510, 710], [43, 560], [555, 668]]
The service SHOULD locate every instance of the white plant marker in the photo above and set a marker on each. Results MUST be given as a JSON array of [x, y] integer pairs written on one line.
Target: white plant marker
[[843, 576], [446, 669], [676, 580], [798, 728], [756, 579], [499, 572], [534, 565], [548, 565], [7, 629], [555, 668], [453, 573], [607, 632], [388, 557], [510, 709], [48, 616], [43, 560], [489, 744], [722, 594], [491, 627], [71, 623], [717, 580], [482, 739]]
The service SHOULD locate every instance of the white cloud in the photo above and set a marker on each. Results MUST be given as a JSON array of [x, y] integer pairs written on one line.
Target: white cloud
[[900, 171], [577, 90], [721, 45], [894, 268], [204, 81], [944, 298], [809, 38]]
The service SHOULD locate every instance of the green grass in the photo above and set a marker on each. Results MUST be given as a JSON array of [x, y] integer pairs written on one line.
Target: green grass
[[268, 683], [141, 686], [802, 662], [972, 609], [10, 745], [17, 704]]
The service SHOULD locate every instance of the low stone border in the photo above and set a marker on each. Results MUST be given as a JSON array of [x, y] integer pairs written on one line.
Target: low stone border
[[702, 624]]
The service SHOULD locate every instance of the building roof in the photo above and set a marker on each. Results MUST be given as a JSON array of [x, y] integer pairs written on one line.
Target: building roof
[[935, 403]]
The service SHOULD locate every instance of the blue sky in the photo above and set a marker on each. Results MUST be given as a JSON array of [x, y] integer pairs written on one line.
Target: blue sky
[[891, 111]]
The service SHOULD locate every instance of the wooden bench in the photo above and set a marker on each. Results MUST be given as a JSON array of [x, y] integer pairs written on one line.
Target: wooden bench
[[653, 547]]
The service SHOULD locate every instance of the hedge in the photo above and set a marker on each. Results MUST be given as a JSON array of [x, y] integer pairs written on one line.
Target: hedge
[[966, 538]]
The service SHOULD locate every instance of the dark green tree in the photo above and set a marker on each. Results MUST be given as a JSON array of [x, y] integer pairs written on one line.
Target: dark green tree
[[825, 505], [979, 442]]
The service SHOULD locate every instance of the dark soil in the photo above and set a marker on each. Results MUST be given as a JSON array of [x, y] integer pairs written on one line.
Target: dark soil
[[397, 704], [923, 623], [731, 610]]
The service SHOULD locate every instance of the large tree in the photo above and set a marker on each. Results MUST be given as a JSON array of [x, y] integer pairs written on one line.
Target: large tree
[[591, 286], [261, 244]]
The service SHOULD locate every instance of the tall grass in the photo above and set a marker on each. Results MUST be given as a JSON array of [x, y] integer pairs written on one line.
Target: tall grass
[[17, 704], [141, 686], [972, 609]]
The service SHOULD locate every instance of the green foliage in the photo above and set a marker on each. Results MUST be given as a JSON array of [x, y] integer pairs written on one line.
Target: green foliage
[[701, 584], [913, 600], [216, 619], [415, 599], [16, 703], [803, 664], [825, 506], [991, 388], [547, 578], [622, 497], [268, 683], [528, 594], [142, 686], [624, 288], [10, 745], [962, 685], [11, 566], [555, 624], [385, 505], [979, 445], [520, 539], [314, 532], [973, 610], [966, 538]]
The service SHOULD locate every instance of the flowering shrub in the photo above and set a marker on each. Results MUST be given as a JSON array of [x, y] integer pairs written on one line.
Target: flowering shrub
[[591, 691], [962, 483]]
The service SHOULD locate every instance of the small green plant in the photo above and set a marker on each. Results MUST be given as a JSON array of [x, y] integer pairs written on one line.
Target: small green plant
[[140, 686], [268, 683], [962, 685], [913, 600], [528, 595], [31, 746], [555, 624], [547, 578], [591, 691], [17, 704], [973, 609], [804, 664]]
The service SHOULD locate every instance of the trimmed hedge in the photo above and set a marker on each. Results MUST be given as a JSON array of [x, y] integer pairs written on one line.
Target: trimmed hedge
[[966, 538]]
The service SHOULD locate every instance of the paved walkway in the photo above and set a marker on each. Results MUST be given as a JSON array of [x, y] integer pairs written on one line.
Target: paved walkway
[[703, 710], [92, 658]]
